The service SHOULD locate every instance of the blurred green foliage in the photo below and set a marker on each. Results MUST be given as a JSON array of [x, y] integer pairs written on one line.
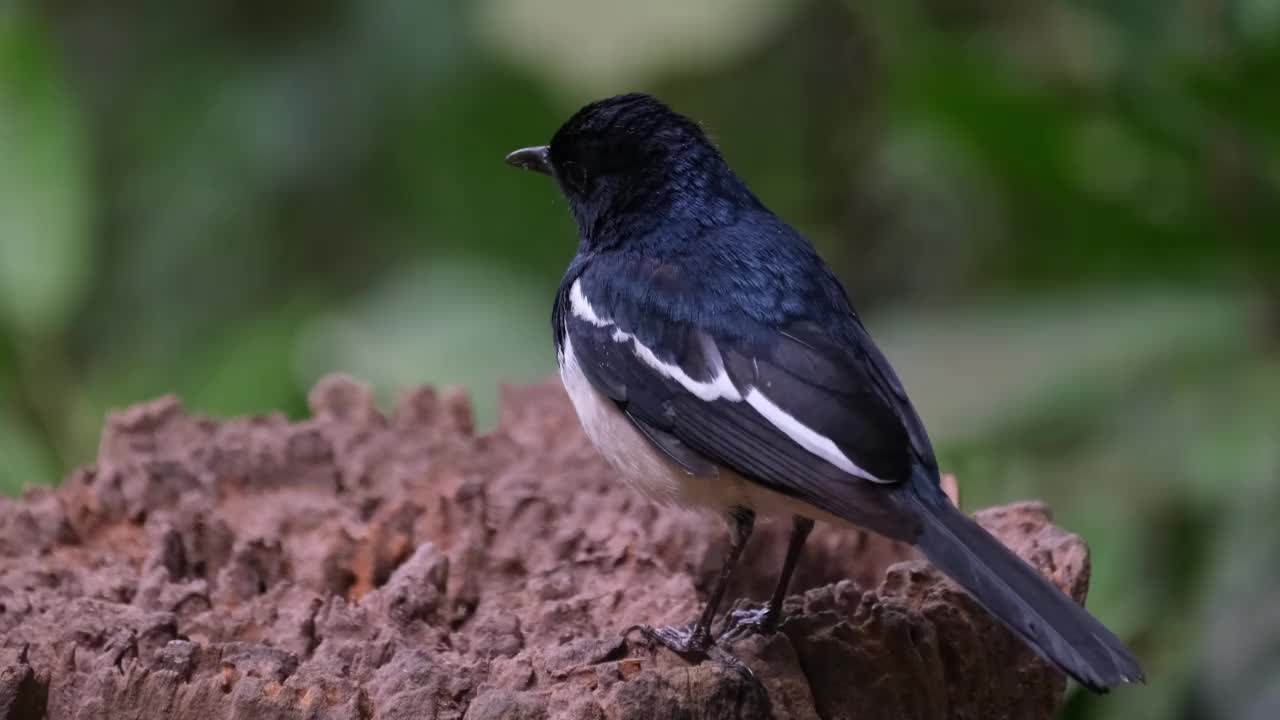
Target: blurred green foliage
[[1060, 217]]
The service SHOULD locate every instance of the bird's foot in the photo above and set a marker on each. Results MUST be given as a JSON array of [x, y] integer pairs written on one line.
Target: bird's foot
[[751, 621], [692, 643], [689, 641]]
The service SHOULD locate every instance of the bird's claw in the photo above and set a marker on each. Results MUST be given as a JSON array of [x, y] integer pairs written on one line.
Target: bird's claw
[[751, 621], [686, 641], [731, 661]]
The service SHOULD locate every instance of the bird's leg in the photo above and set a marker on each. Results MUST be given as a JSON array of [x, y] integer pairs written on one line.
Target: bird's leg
[[695, 641], [765, 620], [800, 529]]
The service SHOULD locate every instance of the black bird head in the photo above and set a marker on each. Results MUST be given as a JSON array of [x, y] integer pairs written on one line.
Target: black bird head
[[629, 163]]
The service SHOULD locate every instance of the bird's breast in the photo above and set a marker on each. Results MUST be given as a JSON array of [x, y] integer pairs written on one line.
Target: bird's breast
[[641, 465]]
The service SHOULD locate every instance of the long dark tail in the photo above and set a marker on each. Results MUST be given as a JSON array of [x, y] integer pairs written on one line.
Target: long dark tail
[[1011, 590]]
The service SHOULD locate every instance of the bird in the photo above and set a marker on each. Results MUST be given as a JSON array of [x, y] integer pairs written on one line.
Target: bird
[[716, 362]]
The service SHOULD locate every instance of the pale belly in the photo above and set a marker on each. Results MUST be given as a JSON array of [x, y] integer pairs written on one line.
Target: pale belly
[[650, 472]]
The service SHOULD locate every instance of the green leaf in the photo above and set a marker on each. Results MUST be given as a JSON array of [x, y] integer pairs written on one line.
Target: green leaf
[[44, 248]]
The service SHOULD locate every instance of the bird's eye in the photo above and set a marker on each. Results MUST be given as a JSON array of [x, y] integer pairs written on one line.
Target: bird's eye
[[574, 176]]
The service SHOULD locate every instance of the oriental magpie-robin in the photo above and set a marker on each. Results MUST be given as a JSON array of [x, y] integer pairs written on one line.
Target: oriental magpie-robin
[[715, 360]]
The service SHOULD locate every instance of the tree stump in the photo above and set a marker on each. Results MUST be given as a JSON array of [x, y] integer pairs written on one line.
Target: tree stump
[[360, 565]]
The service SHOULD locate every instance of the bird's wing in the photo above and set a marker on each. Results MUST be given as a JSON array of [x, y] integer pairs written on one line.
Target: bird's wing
[[786, 408]]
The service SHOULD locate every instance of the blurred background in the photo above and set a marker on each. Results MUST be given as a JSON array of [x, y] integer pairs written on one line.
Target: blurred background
[[1061, 220]]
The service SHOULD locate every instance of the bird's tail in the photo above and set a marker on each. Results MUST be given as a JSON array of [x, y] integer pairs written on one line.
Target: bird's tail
[[1015, 593]]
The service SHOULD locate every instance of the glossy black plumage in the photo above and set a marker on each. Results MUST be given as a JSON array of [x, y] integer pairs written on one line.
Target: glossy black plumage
[[842, 394], [725, 340]]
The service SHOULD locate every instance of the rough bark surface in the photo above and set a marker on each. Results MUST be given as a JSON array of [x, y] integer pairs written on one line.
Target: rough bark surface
[[357, 565]]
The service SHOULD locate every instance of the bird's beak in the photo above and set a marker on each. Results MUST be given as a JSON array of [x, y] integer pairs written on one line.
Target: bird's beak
[[532, 158]]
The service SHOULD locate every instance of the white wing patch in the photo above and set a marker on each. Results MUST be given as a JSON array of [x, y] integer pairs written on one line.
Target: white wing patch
[[582, 309], [721, 387], [805, 436], [717, 387]]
